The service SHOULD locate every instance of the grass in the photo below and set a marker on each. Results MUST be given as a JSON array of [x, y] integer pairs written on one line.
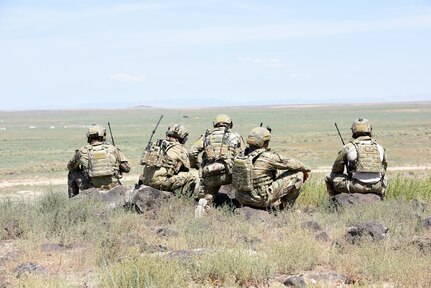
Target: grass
[[109, 248], [305, 133]]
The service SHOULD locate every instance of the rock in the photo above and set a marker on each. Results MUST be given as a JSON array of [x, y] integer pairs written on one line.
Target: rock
[[315, 279], [427, 223], [146, 198], [253, 214], [114, 197], [368, 230], [29, 267], [323, 236], [347, 200], [295, 281], [186, 254], [312, 225], [166, 232]]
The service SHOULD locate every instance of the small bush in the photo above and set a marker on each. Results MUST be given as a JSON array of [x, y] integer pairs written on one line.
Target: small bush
[[144, 272]]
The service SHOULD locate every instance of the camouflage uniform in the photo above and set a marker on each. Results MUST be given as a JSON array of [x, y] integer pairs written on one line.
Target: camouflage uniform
[[358, 181], [171, 170], [96, 165], [271, 187], [218, 149]]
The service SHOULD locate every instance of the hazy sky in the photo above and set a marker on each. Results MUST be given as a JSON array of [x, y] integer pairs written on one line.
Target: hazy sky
[[192, 53]]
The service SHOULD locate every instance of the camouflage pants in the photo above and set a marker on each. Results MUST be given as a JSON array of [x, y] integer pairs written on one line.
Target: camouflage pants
[[78, 180], [209, 186], [341, 183], [182, 183], [281, 193]]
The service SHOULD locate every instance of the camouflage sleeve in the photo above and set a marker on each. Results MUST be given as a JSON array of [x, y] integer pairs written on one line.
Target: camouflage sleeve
[[124, 163], [184, 159], [385, 162], [291, 164], [194, 151], [73, 164], [340, 162]]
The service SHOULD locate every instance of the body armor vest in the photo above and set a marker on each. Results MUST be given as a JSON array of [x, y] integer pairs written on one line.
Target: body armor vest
[[217, 146], [368, 158], [242, 171], [101, 161], [156, 156]]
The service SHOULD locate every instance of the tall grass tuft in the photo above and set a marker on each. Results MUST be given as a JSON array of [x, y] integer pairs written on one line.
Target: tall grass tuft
[[145, 272]]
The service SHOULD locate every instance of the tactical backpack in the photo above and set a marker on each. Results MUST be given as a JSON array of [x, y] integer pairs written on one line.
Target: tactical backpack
[[242, 171], [101, 161], [156, 155], [215, 146], [368, 158]]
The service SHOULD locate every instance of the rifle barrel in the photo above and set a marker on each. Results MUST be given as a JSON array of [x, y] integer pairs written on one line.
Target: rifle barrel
[[339, 134], [110, 132]]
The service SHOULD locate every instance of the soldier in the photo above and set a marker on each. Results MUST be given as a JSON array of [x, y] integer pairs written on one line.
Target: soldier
[[218, 148], [166, 163], [255, 174], [96, 165], [365, 163]]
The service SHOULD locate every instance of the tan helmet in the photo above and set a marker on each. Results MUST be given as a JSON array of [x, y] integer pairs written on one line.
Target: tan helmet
[[96, 131], [258, 136], [222, 120], [361, 126], [178, 131]]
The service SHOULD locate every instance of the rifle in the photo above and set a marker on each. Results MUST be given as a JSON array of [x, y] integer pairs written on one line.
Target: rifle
[[342, 141], [110, 132], [152, 133]]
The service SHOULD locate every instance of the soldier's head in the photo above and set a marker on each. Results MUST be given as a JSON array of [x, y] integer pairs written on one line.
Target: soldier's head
[[222, 120], [96, 132], [179, 132], [259, 137], [361, 127]]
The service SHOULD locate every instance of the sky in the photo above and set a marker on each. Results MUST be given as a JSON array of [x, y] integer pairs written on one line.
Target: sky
[[116, 54]]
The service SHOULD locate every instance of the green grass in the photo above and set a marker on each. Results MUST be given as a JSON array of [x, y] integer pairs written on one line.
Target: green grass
[[306, 133]]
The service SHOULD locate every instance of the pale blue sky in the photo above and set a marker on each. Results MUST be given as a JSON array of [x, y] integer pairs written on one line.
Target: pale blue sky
[[68, 54]]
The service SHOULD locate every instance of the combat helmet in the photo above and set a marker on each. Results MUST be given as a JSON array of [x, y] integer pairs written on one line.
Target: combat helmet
[[258, 136], [96, 130], [178, 131], [222, 120], [360, 127]]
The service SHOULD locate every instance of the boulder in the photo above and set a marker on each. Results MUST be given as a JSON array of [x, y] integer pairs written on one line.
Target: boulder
[[114, 197], [353, 199], [368, 230], [250, 213], [316, 279], [427, 223], [30, 268], [146, 198]]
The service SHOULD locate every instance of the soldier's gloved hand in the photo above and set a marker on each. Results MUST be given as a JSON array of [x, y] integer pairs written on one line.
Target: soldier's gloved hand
[[306, 175]]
